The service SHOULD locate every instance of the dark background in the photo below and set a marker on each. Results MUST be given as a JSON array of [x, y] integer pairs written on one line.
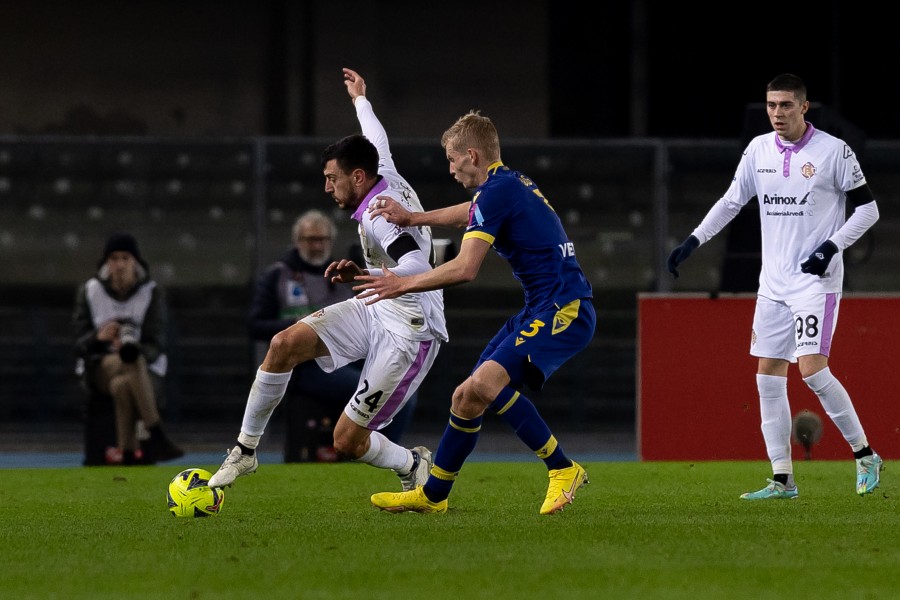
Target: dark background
[[197, 125], [540, 69]]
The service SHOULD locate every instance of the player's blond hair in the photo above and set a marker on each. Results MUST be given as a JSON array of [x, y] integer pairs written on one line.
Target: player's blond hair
[[473, 130]]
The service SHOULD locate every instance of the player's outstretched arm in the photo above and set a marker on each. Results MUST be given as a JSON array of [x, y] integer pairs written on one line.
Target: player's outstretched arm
[[395, 213], [462, 269], [720, 215]]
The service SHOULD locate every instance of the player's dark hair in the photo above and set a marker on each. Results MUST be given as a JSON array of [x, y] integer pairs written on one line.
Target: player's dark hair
[[788, 82], [351, 153]]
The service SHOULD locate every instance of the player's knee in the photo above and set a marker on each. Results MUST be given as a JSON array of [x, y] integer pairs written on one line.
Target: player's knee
[[283, 352], [481, 389], [280, 344], [809, 372], [467, 402], [458, 393]]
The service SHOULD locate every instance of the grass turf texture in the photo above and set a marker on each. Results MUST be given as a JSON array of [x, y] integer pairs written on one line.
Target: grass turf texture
[[639, 530]]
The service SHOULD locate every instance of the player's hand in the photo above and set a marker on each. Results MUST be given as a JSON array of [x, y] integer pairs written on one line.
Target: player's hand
[[356, 85], [680, 254], [392, 211], [342, 271], [373, 288], [818, 261]]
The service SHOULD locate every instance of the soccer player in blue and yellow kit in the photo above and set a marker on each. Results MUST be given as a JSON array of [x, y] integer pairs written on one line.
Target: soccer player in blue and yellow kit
[[509, 213]]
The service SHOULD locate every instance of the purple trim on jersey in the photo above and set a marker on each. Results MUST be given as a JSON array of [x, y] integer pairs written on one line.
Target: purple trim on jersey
[[794, 148], [390, 407], [379, 187], [828, 324]]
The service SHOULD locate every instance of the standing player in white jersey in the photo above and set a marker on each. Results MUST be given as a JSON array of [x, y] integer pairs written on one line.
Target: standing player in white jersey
[[803, 179], [399, 339]]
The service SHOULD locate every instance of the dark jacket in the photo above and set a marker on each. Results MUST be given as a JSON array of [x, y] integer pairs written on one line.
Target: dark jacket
[[287, 291]]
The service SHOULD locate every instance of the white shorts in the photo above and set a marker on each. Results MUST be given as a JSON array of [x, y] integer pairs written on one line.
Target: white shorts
[[787, 329], [394, 366]]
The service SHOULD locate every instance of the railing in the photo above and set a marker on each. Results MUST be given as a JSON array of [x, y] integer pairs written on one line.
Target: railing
[[209, 212]]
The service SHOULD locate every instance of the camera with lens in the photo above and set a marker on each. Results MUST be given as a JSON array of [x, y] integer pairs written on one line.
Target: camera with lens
[[130, 337]]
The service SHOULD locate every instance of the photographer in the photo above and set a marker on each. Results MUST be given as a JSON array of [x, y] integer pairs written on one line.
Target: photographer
[[120, 320]]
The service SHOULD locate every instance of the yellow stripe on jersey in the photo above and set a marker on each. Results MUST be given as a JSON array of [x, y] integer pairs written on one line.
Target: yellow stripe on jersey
[[547, 448], [564, 317], [481, 235], [509, 404]]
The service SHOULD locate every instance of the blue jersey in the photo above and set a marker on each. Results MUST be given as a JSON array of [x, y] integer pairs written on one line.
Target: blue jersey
[[510, 213]]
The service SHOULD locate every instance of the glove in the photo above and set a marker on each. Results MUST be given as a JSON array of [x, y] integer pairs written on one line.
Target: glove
[[680, 254], [819, 259]]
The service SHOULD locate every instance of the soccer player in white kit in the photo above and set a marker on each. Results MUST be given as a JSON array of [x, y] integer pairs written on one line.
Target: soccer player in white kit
[[399, 338], [803, 178]]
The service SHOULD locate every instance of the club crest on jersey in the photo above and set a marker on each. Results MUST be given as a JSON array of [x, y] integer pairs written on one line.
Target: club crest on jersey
[[808, 170]]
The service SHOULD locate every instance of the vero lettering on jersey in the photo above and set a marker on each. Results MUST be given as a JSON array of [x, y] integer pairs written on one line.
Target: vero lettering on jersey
[[568, 249]]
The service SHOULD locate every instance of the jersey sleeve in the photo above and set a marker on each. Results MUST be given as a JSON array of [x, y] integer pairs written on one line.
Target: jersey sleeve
[[743, 185], [488, 213], [737, 196], [374, 131], [384, 232], [847, 171]]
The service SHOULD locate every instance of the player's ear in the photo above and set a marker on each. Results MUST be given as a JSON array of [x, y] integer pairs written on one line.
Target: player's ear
[[804, 107]]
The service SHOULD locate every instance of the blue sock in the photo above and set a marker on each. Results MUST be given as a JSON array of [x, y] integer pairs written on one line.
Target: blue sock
[[456, 445], [522, 415]]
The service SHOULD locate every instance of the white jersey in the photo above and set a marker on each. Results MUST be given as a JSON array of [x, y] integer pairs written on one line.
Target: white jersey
[[416, 316], [802, 191]]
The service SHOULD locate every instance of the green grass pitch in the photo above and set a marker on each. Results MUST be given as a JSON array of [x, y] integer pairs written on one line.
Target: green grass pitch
[[307, 531]]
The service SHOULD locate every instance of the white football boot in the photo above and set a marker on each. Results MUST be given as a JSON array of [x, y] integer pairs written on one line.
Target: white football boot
[[235, 465], [421, 467]]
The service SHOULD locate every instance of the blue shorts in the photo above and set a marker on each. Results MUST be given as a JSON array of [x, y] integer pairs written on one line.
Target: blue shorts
[[532, 347]]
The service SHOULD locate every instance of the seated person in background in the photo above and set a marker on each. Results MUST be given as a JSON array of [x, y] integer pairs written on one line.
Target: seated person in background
[[287, 291], [120, 320]]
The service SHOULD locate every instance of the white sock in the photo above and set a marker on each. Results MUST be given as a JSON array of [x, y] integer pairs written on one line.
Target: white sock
[[250, 441], [265, 394], [385, 454], [838, 406], [776, 421]]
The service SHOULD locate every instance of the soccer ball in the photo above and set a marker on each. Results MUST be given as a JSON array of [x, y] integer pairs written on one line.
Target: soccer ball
[[189, 495]]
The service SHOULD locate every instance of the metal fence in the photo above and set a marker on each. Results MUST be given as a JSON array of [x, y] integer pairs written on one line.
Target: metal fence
[[209, 212]]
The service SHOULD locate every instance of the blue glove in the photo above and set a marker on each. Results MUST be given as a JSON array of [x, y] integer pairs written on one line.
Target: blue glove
[[819, 259], [680, 254]]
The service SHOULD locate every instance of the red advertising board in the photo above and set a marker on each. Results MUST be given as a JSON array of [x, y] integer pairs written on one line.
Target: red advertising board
[[696, 388]]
